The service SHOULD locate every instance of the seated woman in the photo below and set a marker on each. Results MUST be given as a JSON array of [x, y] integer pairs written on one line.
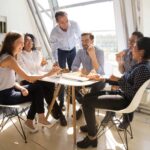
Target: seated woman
[[129, 84], [31, 60], [13, 93]]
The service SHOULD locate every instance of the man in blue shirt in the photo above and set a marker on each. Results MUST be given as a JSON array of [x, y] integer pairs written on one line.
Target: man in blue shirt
[[91, 58], [63, 40]]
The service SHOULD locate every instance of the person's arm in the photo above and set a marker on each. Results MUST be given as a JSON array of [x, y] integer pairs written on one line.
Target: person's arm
[[54, 45], [11, 63], [78, 34], [77, 61], [23, 90], [100, 59], [92, 55], [120, 59]]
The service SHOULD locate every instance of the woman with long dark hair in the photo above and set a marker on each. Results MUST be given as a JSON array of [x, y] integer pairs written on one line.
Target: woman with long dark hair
[[13, 93]]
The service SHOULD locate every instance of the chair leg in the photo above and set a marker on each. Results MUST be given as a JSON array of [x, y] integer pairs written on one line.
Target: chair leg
[[22, 133], [101, 131]]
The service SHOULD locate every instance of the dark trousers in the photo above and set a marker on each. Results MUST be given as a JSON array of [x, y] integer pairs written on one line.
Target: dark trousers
[[93, 88], [12, 96], [65, 57], [48, 92], [92, 101]]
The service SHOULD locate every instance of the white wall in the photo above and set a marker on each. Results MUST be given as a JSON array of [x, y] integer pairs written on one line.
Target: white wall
[[18, 15], [146, 17]]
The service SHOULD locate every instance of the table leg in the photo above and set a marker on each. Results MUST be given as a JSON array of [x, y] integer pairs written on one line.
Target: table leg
[[53, 100], [68, 100], [74, 113]]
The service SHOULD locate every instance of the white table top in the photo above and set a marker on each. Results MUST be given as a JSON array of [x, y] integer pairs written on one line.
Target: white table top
[[69, 82]]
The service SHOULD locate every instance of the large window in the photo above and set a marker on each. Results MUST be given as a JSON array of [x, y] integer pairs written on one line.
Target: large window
[[70, 2], [97, 18]]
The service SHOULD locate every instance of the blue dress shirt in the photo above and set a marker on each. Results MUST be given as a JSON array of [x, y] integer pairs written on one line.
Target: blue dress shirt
[[83, 58]]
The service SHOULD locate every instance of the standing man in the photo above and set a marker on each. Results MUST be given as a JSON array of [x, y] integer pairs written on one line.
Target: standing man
[[63, 39], [91, 58]]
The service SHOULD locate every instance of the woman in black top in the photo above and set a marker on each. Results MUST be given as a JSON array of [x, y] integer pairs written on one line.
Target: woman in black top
[[129, 84]]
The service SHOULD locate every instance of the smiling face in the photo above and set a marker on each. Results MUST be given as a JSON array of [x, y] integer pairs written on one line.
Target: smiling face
[[28, 43], [63, 22], [18, 45], [132, 41], [137, 54]]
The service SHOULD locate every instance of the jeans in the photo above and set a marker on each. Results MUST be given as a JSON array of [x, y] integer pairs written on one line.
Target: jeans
[[12, 96], [63, 58]]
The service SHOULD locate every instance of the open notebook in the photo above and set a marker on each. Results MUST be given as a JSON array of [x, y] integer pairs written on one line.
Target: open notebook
[[74, 76]]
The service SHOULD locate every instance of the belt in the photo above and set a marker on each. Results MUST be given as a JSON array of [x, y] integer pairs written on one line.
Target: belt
[[67, 50]]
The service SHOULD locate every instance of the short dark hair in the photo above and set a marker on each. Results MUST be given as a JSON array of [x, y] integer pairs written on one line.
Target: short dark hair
[[138, 34], [144, 44], [7, 46], [60, 14], [89, 34]]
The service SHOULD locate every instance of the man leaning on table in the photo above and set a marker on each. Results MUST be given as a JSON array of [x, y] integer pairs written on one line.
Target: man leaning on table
[[91, 58], [63, 39]]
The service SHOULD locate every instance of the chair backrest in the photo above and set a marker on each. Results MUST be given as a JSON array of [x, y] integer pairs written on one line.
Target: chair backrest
[[137, 99]]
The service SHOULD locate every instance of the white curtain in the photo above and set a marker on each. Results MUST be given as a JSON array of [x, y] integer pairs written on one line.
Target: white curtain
[[127, 20]]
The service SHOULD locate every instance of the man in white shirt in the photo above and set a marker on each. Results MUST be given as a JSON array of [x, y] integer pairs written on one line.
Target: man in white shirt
[[63, 40]]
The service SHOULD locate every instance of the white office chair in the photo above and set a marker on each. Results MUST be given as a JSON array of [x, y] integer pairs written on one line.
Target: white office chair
[[10, 111], [131, 108]]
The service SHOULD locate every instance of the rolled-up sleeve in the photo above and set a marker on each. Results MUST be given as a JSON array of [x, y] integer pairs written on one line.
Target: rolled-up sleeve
[[100, 59], [54, 45]]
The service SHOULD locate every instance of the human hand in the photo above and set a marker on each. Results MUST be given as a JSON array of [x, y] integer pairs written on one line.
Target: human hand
[[113, 78], [44, 62], [91, 51], [55, 64], [84, 72], [119, 56], [54, 70], [24, 91]]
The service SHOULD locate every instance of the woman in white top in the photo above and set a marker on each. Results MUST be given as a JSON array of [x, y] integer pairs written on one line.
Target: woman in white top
[[31, 60], [13, 93]]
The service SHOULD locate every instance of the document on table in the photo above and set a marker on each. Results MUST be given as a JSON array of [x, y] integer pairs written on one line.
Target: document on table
[[74, 76]]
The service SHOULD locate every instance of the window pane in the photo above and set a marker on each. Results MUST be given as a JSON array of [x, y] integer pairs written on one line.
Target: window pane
[[99, 19], [43, 3], [47, 21], [69, 2], [93, 17]]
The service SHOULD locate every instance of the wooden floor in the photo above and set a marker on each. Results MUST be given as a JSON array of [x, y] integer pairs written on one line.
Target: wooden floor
[[60, 138]]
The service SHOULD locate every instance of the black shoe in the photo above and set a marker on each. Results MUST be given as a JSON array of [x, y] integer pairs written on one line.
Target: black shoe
[[108, 117], [86, 142], [123, 126], [84, 128], [55, 114], [78, 114], [63, 121]]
